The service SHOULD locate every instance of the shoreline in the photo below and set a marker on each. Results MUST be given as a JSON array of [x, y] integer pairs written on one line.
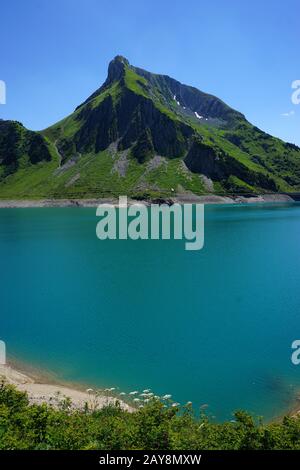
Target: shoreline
[[183, 199], [44, 387]]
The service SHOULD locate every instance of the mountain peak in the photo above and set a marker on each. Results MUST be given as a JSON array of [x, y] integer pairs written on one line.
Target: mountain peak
[[120, 58], [116, 68]]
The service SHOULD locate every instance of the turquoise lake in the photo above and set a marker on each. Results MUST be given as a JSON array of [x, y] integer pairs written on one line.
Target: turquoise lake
[[213, 326]]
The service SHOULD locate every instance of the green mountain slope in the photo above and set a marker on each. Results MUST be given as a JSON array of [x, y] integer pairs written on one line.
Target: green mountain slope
[[145, 135]]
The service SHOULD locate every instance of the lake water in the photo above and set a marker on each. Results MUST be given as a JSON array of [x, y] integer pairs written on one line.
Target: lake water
[[213, 326]]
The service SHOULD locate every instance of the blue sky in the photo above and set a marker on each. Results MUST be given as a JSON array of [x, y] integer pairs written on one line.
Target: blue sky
[[54, 53]]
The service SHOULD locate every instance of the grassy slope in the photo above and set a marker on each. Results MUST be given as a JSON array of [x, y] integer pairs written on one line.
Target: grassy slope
[[98, 178]]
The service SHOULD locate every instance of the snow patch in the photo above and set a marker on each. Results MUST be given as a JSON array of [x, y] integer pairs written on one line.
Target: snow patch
[[175, 99], [198, 115]]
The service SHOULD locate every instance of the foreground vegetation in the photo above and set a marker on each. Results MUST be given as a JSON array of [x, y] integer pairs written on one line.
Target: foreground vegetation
[[153, 427]]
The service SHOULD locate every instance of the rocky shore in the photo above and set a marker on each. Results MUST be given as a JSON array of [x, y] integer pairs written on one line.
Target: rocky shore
[[183, 199]]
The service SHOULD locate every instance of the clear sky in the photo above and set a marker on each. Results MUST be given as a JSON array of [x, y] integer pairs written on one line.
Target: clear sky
[[54, 53]]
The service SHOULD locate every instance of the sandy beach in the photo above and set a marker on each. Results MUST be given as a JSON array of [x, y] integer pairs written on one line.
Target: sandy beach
[[40, 391], [54, 394]]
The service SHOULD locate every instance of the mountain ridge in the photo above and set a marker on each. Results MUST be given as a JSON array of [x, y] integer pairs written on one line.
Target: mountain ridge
[[148, 135]]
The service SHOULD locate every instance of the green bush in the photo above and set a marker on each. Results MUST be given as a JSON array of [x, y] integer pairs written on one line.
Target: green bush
[[153, 427]]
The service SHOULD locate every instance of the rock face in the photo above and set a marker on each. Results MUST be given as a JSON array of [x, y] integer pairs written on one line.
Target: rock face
[[18, 146], [127, 121], [190, 99], [219, 166], [149, 115]]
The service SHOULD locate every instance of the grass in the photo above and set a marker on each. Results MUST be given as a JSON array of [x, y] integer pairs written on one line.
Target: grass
[[173, 175], [135, 82]]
